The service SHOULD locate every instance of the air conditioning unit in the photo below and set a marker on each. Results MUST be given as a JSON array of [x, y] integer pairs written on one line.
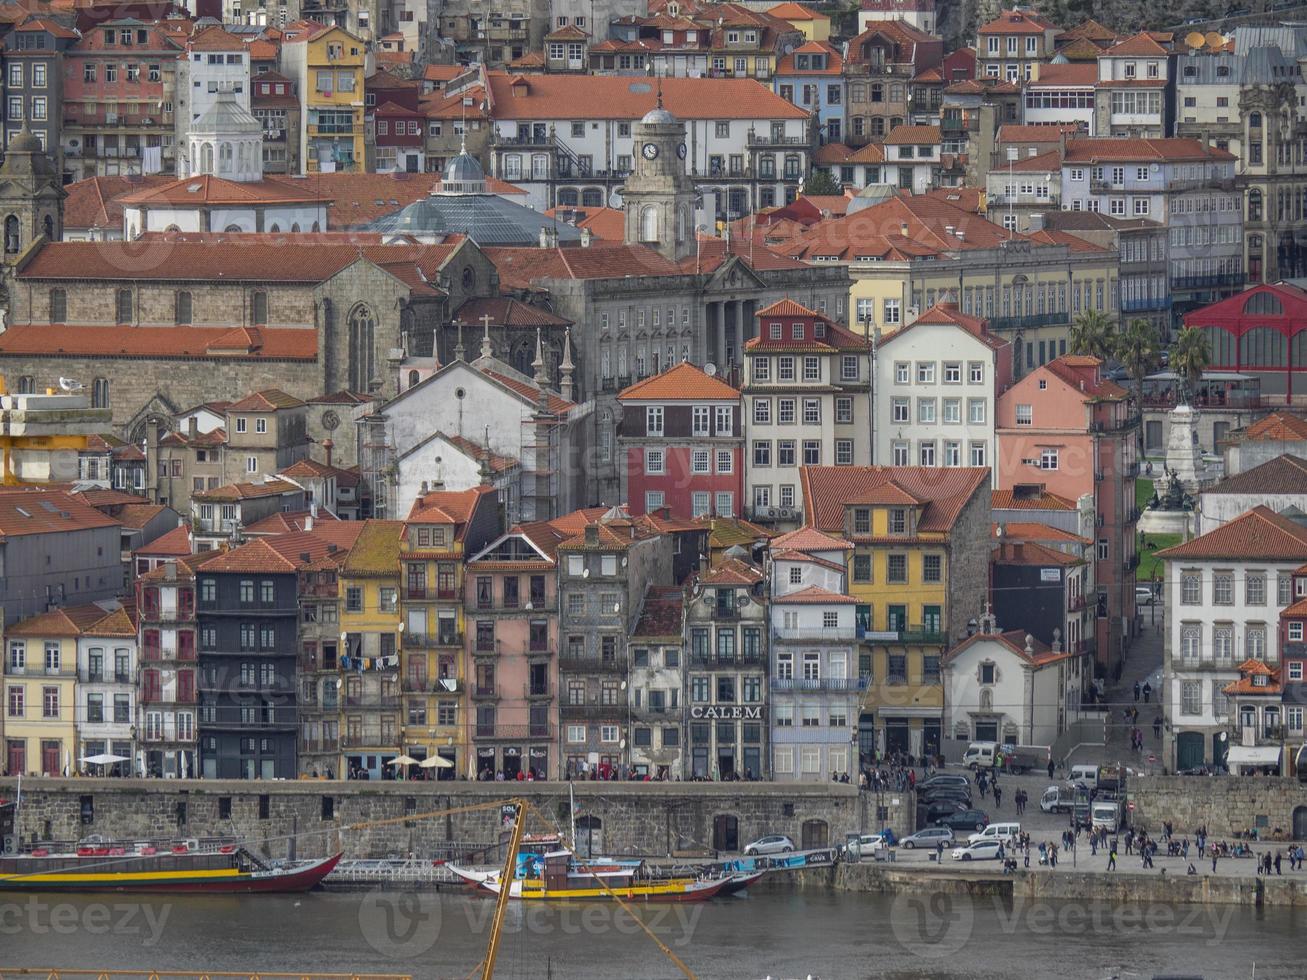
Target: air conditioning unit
[[773, 513], [786, 513]]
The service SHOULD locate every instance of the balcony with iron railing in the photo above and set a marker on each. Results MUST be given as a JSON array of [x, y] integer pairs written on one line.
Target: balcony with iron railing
[[592, 665], [1029, 322], [423, 594], [815, 633], [1121, 424], [537, 691], [319, 744], [1145, 304], [432, 685], [87, 676], [370, 738], [833, 684], [371, 701], [593, 712], [513, 731], [485, 692], [1213, 281], [916, 634], [431, 641]]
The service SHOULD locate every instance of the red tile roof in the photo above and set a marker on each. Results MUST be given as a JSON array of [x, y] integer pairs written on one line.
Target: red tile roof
[[1130, 149], [214, 38], [84, 620], [1017, 22], [1141, 45], [505, 312], [1011, 500], [789, 10], [1282, 474], [268, 400], [279, 344], [1034, 531], [1072, 74], [285, 552], [1256, 535], [663, 612], [530, 391], [902, 135], [96, 201], [948, 314], [1014, 640], [1070, 369], [518, 268], [136, 516], [815, 595], [732, 571], [447, 506], [623, 97], [834, 62], [287, 522], [683, 382], [170, 544], [246, 491], [787, 307], [33, 511], [605, 223], [208, 190], [498, 463], [1010, 552], [826, 490], [1277, 427], [808, 538]]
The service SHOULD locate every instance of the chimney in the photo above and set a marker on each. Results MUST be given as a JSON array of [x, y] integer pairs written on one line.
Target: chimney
[[422, 490], [332, 549], [950, 230], [327, 447], [304, 557], [903, 228], [192, 427], [586, 236], [592, 534], [170, 572], [1030, 645], [308, 523]]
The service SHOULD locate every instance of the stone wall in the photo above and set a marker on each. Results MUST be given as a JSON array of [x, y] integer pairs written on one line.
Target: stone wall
[[1223, 804], [634, 818]]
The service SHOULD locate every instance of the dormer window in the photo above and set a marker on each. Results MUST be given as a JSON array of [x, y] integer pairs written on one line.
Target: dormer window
[[1259, 680], [861, 520], [797, 329], [1295, 631], [898, 521], [775, 330]]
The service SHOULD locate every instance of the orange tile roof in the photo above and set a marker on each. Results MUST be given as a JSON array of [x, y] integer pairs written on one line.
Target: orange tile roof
[[1282, 474], [1277, 427], [1139, 44], [834, 61], [247, 491], [903, 134], [808, 538], [1034, 531], [683, 382], [787, 307], [136, 516], [506, 312], [622, 97], [663, 612], [518, 268], [530, 391], [96, 201], [1091, 29], [286, 522], [815, 595], [447, 506], [73, 621], [713, 252], [443, 73], [605, 223], [37, 511], [284, 552], [1015, 640], [174, 542], [826, 490], [948, 314], [1049, 161], [498, 463], [1256, 535], [1071, 74], [732, 571], [214, 38], [1009, 500], [1009, 552], [1129, 149], [789, 10], [1016, 22], [1092, 387], [279, 344], [268, 400]]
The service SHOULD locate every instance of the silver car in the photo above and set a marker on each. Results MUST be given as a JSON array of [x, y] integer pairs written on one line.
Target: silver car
[[771, 844], [929, 837]]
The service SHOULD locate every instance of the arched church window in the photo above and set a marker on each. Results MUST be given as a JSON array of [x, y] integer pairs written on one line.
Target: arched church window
[[100, 393], [649, 225], [48, 226], [206, 158], [362, 331], [413, 378], [224, 158]]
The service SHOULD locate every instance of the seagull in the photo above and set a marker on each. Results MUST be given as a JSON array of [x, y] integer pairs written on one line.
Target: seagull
[[69, 384]]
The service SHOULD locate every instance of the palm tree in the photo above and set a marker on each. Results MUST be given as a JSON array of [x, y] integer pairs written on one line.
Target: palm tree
[[1136, 349], [1190, 356], [1092, 334]]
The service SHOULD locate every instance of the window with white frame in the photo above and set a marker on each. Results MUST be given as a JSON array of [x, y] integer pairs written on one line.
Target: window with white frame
[[900, 410], [1191, 642], [653, 415], [1025, 415], [926, 411], [1223, 588], [762, 411], [1048, 459], [699, 503], [725, 461], [761, 368], [952, 411], [976, 372], [653, 461], [1254, 587], [700, 460], [1191, 698], [1223, 643], [902, 372], [843, 410], [952, 373], [1191, 588], [699, 420], [723, 421], [925, 372], [725, 503], [976, 412]]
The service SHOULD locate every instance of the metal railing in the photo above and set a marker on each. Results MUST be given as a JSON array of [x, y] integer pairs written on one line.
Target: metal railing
[[916, 634], [821, 684]]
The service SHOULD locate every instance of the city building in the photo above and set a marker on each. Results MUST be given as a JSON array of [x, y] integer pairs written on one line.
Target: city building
[[317, 666], [1257, 721], [1012, 45], [1022, 191], [1280, 484], [34, 54], [326, 64], [605, 569], [807, 398], [1224, 592], [933, 412], [442, 530], [1041, 577], [726, 626], [921, 543], [1134, 94], [1276, 434], [275, 103], [657, 682], [108, 690], [224, 513], [879, 65], [1060, 94], [683, 439], [811, 77], [816, 678], [1065, 428], [165, 608], [912, 156], [214, 63], [1253, 333]]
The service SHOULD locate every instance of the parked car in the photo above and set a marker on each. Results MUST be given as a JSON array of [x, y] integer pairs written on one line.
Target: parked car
[[1144, 595], [963, 820], [771, 844], [867, 844], [1004, 833], [943, 808], [944, 779], [944, 789], [963, 798], [928, 837], [981, 850]]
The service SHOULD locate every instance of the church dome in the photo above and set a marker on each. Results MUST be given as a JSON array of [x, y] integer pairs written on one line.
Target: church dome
[[464, 168], [659, 116]]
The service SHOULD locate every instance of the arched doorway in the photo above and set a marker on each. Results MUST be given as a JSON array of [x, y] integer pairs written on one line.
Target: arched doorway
[[725, 832], [589, 835], [1299, 822], [1188, 750], [815, 834]]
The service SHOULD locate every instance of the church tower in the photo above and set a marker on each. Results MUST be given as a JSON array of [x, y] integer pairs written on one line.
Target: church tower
[[659, 195], [31, 195]]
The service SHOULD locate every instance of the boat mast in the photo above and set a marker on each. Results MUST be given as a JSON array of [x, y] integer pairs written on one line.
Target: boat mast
[[571, 810], [505, 886]]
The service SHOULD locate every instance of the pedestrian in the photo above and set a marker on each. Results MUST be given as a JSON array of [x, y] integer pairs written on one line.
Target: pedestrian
[[1093, 845], [997, 797], [1052, 856], [1138, 691], [1050, 768], [1027, 857], [1277, 862], [1148, 692], [1213, 862]]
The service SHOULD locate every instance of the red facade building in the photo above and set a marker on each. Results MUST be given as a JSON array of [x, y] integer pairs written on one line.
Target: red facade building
[[1261, 332], [684, 443]]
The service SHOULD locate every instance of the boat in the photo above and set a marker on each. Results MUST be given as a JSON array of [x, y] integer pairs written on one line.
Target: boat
[[531, 854], [739, 881], [95, 864], [564, 887]]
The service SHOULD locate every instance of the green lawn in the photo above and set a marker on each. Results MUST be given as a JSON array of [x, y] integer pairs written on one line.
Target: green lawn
[[1149, 564], [1143, 492]]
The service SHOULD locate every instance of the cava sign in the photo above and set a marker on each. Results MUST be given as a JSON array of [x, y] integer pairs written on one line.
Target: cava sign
[[726, 712]]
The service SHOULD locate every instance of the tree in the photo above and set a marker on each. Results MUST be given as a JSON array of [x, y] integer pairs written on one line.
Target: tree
[[820, 182], [1092, 334], [1190, 356], [1137, 349]]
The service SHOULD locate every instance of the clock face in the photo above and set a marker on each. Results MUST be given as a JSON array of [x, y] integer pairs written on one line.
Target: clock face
[[650, 151], [680, 150]]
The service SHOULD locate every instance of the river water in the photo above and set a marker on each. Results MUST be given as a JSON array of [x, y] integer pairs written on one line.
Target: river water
[[770, 933]]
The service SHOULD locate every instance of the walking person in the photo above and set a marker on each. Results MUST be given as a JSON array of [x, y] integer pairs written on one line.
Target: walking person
[[1138, 691], [998, 795], [1111, 858], [1148, 691], [1277, 862], [1213, 861]]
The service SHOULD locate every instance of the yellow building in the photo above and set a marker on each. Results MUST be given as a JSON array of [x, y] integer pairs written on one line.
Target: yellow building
[[918, 569], [908, 253], [327, 62], [369, 660], [442, 528], [41, 434], [40, 685], [815, 26]]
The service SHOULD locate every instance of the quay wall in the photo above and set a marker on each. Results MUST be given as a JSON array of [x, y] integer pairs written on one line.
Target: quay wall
[[1224, 804], [314, 818]]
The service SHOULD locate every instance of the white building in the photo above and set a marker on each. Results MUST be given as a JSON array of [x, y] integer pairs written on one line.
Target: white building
[[807, 387], [216, 64], [568, 139], [1279, 483], [934, 391], [1008, 687], [1061, 93], [106, 690], [1224, 593], [1131, 90], [912, 157], [919, 13], [815, 676]]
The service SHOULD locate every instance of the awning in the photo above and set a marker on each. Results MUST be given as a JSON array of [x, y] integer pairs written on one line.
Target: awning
[[1253, 755]]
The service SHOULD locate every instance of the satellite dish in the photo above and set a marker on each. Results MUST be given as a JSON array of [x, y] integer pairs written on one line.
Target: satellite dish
[[1194, 39], [401, 625], [585, 573], [710, 369], [1214, 40]]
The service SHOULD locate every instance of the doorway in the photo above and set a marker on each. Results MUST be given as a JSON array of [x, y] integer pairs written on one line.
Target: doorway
[[1300, 822], [16, 757], [896, 735], [589, 835], [49, 757], [512, 763], [1188, 751], [725, 832], [815, 834]]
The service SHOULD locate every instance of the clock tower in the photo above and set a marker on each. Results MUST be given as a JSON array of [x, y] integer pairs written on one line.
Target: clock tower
[[659, 194]]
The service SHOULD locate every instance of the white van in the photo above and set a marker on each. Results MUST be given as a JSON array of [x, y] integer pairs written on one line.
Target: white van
[[1006, 833], [1106, 815], [1086, 774], [980, 755]]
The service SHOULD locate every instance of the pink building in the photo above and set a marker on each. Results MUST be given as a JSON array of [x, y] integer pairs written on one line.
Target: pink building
[[684, 445], [511, 611], [1064, 428], [118, 100]]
